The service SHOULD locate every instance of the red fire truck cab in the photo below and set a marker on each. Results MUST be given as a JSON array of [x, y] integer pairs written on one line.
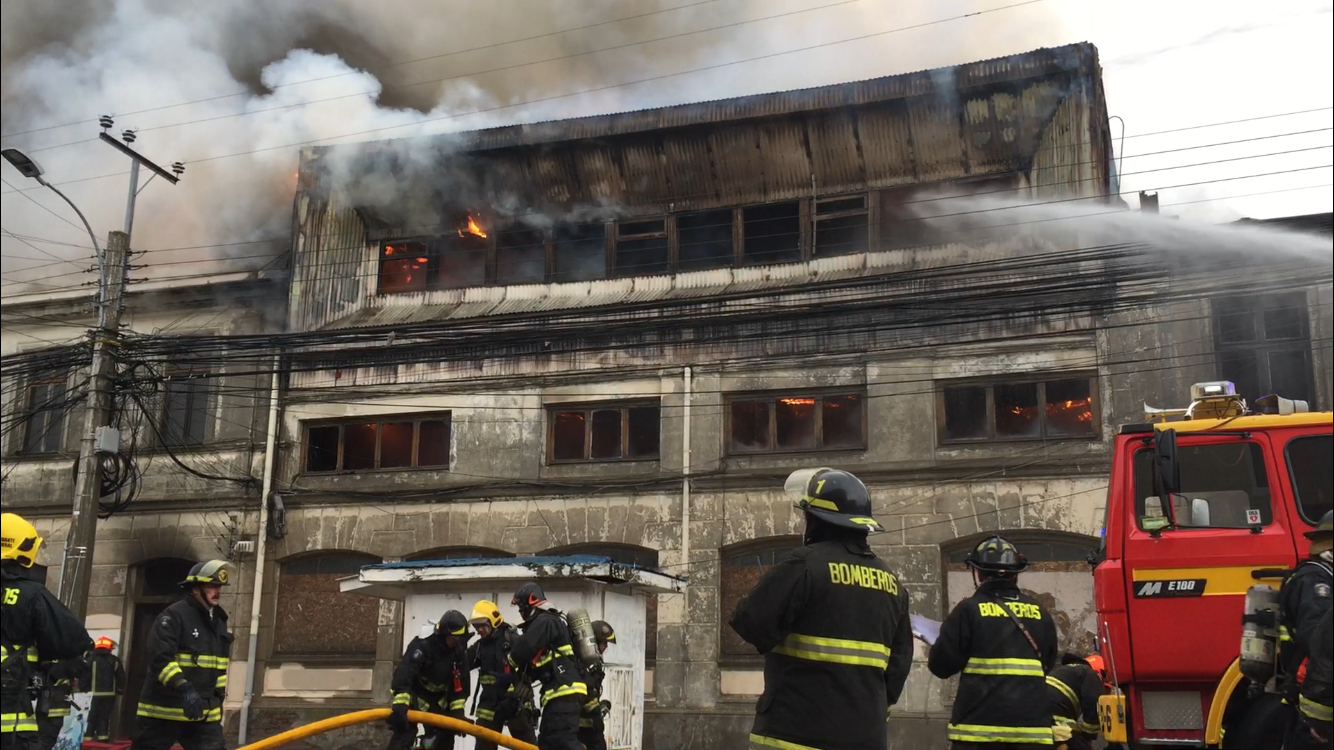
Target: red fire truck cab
[[1203, 503]]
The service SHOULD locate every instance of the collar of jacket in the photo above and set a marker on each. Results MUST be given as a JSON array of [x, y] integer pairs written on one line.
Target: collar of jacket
[[999, 586], [213, 614]]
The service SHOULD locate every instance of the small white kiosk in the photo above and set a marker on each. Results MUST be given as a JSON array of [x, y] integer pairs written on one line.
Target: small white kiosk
[[609, 590]]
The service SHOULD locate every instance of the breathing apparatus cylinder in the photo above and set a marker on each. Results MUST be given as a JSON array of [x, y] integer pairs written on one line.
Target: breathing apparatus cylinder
[[585, 645], [1259, 634]]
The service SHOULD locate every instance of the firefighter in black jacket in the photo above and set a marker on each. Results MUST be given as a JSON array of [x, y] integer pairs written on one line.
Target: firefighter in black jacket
[[59, 681], [1303, 600], [1317, 696], [189, 647], [497, 704], [1073, 689], [1004, 643], [832, 622], [545, 653], [592, 728], [433, 677], [106, 681], [31, 617]]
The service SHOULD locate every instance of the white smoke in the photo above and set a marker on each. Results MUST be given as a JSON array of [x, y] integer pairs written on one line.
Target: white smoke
[[255, 79]]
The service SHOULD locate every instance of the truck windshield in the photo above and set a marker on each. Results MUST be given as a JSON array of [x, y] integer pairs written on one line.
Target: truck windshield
[[1308, 461], [1223, 486]]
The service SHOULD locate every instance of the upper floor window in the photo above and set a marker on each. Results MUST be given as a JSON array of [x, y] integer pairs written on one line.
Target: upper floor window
[[772, 233], [642, 248], [580, 252], [704, 239], [391, 442], [604, 432], [841, 226], [1264, 345], [1025, 409], [796, 422], [451, 261], [314, 618], [44, 424], [185, 408]]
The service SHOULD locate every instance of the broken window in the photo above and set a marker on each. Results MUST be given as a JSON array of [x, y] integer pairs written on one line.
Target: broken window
[[1264, 345], [743, 565], [705, 239], [44, 425], [404, 267], [397, 443], [795, 422], [1018, 410], [840, 226], [462, 261], [610, 432], [580, 252], [454, 261], [185, 408], [521, 257], [772, 233], [641, 248], [314, 618]]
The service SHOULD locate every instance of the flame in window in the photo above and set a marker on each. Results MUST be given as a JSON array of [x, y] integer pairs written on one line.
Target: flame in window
[[1082, 407], [472, 227], [797, 401]]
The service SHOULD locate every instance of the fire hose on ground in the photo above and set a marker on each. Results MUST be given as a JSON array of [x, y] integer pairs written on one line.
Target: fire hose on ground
[[380, 714]]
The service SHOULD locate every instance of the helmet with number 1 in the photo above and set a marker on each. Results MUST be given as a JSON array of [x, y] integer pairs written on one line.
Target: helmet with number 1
[[19, 540], [833, 496]]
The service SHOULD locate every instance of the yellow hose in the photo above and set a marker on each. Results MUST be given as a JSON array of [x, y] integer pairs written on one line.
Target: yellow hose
[[379, 714]]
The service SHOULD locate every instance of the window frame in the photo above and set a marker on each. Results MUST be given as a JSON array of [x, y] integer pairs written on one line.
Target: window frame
[[1041, 380], [666, 234], [276, 650], [379, 420], [187, 374], [817, 217], [771, 397], [588, 408], [1261, 347], [30, 411], [775, 545]]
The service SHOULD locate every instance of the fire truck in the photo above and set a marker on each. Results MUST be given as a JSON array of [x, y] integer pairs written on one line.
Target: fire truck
[[1203, 504]]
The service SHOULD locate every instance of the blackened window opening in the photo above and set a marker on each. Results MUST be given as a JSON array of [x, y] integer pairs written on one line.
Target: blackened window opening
[[581, 252], [397, 443], [841, 226], [605, 433], [790, 423], [705, 240], [185, 409], [44, 431], [521, 257], [772, 233], [642, 248]]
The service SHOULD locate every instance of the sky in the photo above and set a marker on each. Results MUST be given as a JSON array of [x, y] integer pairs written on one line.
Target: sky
[[233, 89]]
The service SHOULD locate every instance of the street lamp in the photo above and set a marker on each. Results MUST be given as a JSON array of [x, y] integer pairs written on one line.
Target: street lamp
[[28, 167]]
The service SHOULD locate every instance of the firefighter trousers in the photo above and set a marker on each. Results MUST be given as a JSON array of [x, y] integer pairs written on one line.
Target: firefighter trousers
[[559, 726], [48, 731], [436, 739], [996, 746], [592, 731], [1298, 736], [161, 734], [519, 723], [99, 717], [18, 741]]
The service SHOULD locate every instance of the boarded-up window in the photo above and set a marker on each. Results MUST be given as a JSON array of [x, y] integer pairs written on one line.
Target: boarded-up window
[[314, 618], [743, 564], [796, 422], [1026, 409], [44, 424], [605, 432], [417, 441]]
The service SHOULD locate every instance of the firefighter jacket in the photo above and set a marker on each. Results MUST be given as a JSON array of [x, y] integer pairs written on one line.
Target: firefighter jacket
[[545, 653], [31, 617], [57, 678], [432, 675], [1072, 694], [832, 622], [1303, 599], [495, 677], [593, 701], [106, 674], [188, 643], [1317, 692], [1002, 696]]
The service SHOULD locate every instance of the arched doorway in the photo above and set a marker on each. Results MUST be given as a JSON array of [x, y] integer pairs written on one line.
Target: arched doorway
[[153, 584]]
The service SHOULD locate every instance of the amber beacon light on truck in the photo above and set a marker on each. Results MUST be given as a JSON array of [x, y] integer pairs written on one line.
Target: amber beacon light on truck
[[1206, 510]]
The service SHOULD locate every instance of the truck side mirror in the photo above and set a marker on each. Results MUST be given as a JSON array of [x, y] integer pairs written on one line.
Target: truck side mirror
[[1167, 478]]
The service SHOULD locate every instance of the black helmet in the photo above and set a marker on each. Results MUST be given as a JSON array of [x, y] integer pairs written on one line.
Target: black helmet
[[209, 572], [834, 496], [996, 555], [603, 632], [528, 597], [453, 623], [1326, 526]]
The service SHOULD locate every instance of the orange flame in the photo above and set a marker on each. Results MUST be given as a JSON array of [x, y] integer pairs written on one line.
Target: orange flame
[[472, 228]]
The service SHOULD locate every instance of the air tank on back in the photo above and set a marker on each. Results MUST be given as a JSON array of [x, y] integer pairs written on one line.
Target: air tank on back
[[1259, 633], [585, 645]]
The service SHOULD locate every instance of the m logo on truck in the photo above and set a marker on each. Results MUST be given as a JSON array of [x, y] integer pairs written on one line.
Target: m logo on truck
[[1166, 589]]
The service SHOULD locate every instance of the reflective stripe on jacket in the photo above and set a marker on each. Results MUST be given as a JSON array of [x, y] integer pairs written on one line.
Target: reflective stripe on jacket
[[544, 653], [187, 643]]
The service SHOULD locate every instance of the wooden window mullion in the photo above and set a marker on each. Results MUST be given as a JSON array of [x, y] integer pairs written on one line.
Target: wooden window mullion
[[1042, 409], [588, 435], [416, 443], [819, 422], [339, 465], [991, 413]]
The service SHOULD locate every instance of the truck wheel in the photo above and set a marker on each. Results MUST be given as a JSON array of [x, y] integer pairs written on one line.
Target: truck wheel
[[1260, 727]]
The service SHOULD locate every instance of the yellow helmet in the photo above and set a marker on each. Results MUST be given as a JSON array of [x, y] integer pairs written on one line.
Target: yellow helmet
[[486, 613], [19, 540]]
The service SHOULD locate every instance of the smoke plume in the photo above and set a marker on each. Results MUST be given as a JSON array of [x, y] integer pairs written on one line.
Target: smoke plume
[[234, 89]]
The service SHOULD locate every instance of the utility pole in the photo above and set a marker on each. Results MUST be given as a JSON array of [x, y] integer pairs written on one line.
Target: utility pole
[[77, 571]]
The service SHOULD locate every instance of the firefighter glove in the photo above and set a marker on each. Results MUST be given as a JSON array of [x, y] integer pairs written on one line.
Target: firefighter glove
[[191, 703], [398, 717], [605, 707]]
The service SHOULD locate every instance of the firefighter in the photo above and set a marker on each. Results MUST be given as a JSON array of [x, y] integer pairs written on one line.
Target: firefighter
[[1316, 701], [58, 680], [832, 622], [1073, 689], [32, 617], [592, 729], [433, 677], [1304, 598], [1004, 644], [496, 703], [106, 680], [189, 647], [545, 652]]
